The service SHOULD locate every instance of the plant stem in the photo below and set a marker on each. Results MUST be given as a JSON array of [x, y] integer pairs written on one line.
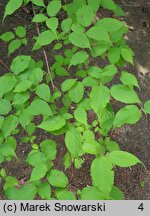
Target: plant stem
[[142, 109], [4, 65], [44, 53]]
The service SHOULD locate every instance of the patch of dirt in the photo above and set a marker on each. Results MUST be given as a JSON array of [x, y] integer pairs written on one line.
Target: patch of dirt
[[135, 139]]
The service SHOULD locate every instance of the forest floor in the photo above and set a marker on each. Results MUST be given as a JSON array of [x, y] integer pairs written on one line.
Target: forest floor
[[135, 139]]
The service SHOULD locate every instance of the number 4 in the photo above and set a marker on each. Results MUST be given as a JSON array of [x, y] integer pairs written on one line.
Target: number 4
[[141, 207]]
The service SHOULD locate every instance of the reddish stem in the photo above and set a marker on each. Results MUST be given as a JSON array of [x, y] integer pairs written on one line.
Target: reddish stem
[[44, 53], [4, 65]]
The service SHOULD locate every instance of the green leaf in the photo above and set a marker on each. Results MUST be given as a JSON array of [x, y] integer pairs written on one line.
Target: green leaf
[[1, 158], [24, 41], [36, 159], [30, 129], [109, 4], [99, 98], [40, 107], [116, 194], [44, 191], [128, 79], [38, 18], [91, 193], [127, 115], [85, 15], [5, 107], [79, 58], [66, 25], [72, 8], [114, 55], [67, 160], [118, 11], [53, 8], [111, 145], [95, 4], [36, 76], [23, 86], [52, 24], [79, 40], [9, 125], [123, 159], [124, 94], [7, 83], [12, 6], [38, 2], [99, 49], [20, 31], [12, 142], [127, 55], [58, 46], [1, 121], [76, 92], [7, 36], [99, 34], [43, 91], [68, 84], [48, 147], [81, 73], [66, 195], [73, 141], [102, 174], [10, 182], [78, 163], [88, 136], [60, 71], [90, 82], [91, 147], [52, 124], [76, 27], [94, 72], [38, 172], [21, 98], [110, 24], [14, 45], [45, 38], [147, 107], [81, 115], [108, 73], [27, 192], [57, 178], [7, 150], [20, 63]]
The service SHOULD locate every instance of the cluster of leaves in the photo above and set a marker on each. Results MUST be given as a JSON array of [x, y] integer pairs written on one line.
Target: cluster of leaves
[[25, 94], [15, 43]]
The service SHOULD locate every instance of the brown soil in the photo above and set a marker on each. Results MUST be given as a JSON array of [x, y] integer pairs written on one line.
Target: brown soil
[[135, 139]]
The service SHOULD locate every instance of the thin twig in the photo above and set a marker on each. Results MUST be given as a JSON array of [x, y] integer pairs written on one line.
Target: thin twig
[[48, 69], [4, 65], [142, 109], [44, 53]]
